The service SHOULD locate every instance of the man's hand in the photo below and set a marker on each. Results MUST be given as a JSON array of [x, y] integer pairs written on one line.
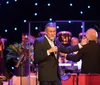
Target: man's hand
[[63, 54], [84, 41], [53, 49]]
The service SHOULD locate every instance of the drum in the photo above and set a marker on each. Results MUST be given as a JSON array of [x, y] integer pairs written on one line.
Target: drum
[[64, 74], [64, 37], [67, 69], [65, 77]]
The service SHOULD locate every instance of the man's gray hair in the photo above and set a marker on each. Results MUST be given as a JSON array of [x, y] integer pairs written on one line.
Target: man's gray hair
[[50, 24]]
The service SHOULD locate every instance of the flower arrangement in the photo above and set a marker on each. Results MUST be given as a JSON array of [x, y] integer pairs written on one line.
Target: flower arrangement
[[16, 50]]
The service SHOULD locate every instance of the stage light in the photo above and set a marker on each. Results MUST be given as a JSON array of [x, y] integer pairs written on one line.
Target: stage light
[[15, 0], [35, 14], [69, 21], [18, 58], [12, 67], [25, 21], [81, 26], [15, 28], [49, 4], [50, 19], [7, 2], [6, 30], [57, 27], [36, 4], [31, 62], [36, 28], [81, 12], [88, 7], [26, 36], [71, 4]]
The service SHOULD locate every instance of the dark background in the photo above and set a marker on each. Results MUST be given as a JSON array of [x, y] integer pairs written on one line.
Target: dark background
[[13, 15]]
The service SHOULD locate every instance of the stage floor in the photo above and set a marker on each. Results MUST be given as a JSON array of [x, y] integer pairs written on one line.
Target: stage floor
[[74, 79]]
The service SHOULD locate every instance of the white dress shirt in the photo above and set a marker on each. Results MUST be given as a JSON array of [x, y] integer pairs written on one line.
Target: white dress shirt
[[51, 44]]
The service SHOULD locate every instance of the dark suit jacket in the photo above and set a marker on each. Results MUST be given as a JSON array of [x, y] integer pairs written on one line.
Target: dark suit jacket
[[48, 69], [90, 55]]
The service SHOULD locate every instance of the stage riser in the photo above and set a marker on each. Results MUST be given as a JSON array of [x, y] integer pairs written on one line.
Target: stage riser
[[83, 79], [24, 80]]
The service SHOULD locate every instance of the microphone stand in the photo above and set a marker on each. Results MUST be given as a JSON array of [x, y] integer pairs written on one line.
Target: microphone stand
[[77, 78], [17, 65], [37, 82], [19, 62]]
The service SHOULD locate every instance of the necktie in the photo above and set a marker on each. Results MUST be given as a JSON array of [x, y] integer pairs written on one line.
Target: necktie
[[54, 43]]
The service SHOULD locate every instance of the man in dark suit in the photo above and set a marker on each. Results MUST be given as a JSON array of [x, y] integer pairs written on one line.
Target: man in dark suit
[[46, 49], [90, 54]]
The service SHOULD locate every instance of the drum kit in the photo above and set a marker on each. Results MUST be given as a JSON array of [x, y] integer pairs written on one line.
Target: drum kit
[[66, 67], [64, 37]]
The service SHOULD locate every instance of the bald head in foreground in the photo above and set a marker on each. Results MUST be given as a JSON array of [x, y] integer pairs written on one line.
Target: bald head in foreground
[[91, 34], [90, 53]]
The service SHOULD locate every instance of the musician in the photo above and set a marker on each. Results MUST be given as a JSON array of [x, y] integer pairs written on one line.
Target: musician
[[22, 63], [72, 68], [2, 46], [75, 41]]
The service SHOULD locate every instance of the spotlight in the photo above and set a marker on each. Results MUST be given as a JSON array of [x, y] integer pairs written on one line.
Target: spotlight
[[12, 67], [57, 27], [50, 19], [81, 26], [31, 62], [26, 36], [7, 2], [48, 4], [5, 30], [69, 21], [35, 14], [18, 58], [36, 4], [36, 28], [15, 28], [25, 21], [81, 12], [88, 7], [15, 0], [71, 4]]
